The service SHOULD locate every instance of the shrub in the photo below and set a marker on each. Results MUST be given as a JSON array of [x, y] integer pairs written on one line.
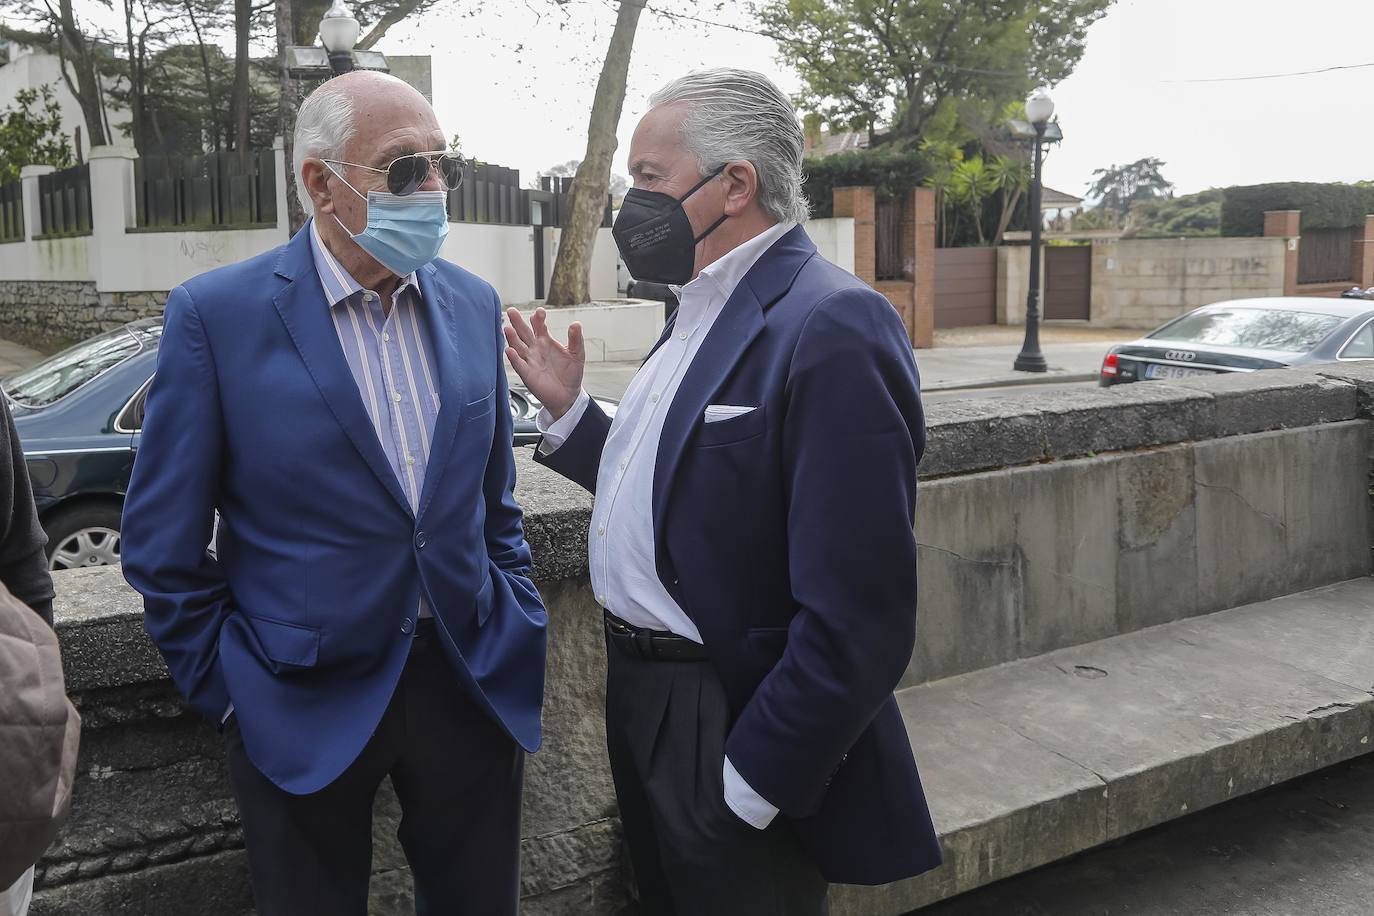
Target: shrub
[[891, 170], [1323, 206]]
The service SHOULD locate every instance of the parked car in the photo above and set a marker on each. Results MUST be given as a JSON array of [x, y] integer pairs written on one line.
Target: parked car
[[79, 415], [1243, 335]]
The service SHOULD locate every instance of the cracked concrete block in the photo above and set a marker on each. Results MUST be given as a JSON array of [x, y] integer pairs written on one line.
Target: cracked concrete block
[[1066, 529], [1156, 567], [977, 435], [969, 575], [1248, 402], [1078, 422], [1242, 538]]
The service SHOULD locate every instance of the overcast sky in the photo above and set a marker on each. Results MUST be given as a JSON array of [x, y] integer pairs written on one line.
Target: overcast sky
[[518, 87]]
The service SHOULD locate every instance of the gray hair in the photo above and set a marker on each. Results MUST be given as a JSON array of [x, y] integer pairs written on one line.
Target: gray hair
[[324, 125], [739, 114]]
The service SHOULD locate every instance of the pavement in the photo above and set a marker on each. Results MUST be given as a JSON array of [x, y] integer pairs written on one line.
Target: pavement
[[1302, 848], [962, 360], [1037, 760], [16, 357]]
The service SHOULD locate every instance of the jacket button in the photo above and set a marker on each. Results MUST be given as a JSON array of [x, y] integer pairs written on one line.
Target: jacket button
[[420, 539], [407, 625]]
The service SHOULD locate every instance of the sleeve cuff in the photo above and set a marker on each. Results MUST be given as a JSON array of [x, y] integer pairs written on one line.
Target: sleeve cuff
[[556, 432], [748, 805]]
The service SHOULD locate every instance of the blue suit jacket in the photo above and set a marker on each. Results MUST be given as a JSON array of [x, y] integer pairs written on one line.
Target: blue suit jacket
[[303, 620], [786, 534]]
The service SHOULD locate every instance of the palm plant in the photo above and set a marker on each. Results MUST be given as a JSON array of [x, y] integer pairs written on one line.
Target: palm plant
[[1012, 177], [970, 184]]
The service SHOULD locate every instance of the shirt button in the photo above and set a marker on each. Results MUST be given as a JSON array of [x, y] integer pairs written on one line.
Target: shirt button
[[386, 336], [410, 459], [368, 297], [396, 396], [682, 336], [601, 530], [601, 600], [623, 463], [654, 398]]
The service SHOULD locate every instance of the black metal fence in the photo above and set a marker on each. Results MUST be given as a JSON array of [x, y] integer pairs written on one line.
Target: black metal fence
[[12, 212], [221, 190], [890, 260], [1325, 255], [492, 194], [64, 201]]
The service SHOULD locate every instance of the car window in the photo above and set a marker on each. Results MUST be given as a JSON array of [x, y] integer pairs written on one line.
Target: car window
[[1361, 346], [67, 371], [1252, 329]]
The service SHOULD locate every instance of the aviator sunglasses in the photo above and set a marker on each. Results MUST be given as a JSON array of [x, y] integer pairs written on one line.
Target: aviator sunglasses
[[406, 174]]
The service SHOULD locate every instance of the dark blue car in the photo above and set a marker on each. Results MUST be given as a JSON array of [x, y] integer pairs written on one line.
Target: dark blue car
[[79, 415]]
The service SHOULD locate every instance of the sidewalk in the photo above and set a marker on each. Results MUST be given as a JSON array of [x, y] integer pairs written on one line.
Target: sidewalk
[[16, 357], [962, 358], [982, 357]]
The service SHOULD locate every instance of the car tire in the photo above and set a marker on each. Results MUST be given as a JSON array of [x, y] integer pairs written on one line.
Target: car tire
[[83, 536]]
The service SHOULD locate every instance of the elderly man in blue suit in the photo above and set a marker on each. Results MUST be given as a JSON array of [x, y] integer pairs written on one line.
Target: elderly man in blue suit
[[752, 540], [367, 613]]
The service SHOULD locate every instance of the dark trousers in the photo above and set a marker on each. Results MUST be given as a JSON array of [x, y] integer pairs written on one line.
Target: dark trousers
[[666, 724], [457, 776]]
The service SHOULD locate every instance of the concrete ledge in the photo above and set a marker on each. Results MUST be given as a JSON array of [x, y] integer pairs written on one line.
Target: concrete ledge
[[969, 436], [1039, 759]]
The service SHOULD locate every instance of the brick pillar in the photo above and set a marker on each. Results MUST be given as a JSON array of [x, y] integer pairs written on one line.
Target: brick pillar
[[922, 327], [1286, 224], [858, 204], [1362, 255]]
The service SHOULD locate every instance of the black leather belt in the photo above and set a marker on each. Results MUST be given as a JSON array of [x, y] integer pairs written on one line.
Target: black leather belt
[[651, 645]]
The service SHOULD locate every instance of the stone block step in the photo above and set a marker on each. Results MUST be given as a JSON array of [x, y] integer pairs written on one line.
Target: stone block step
[[1039, 759]]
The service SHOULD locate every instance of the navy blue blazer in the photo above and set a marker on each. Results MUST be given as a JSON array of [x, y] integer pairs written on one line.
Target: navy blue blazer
[[786, 535], [304, 619]]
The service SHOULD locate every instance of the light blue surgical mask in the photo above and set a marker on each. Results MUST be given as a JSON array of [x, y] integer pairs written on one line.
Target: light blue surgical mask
[[403, 234]]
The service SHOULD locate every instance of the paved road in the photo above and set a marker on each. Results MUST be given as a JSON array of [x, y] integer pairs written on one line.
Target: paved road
[[1303, 849]]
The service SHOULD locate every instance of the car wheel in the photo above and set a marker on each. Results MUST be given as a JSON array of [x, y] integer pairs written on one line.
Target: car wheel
[[83, 536]]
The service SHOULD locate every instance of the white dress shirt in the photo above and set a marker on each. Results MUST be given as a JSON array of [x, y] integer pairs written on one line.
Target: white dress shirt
[[621, 543]]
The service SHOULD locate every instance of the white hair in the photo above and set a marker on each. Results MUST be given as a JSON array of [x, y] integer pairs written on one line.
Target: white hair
[[324, 125], [739, 114]]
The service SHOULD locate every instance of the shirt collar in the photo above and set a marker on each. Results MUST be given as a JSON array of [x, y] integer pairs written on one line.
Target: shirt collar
[[726, 272], [339, 285]]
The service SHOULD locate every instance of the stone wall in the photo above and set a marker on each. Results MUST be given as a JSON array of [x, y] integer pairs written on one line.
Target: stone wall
[[49, 314], [1142, 283], [1043, 523]]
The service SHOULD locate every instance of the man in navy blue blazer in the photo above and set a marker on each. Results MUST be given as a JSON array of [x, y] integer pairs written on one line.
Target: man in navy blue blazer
[[367, 613], [752, 539]]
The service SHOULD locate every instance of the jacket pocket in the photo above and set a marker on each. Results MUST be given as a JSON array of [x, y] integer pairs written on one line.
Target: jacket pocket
[[479, 408], [287, 643], [735, 429], [486, 599], [767, 643]]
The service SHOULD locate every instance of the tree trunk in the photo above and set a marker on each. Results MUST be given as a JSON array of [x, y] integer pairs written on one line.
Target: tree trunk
[[571, 283], [286, 115], [78, 51], [243, 24], [390, 18], [204, 68]]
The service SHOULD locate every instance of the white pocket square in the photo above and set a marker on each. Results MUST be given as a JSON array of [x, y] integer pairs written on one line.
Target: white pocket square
[[717, 412]]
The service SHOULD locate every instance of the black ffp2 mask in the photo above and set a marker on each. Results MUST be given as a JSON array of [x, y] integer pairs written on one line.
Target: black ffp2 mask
[[655, 237]]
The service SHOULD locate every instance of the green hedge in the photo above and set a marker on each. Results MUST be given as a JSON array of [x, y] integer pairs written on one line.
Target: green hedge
[[891, 170], [1323, 206]]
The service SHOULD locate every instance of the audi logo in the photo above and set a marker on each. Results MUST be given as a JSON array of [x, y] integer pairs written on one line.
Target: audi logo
[[1180, 356]]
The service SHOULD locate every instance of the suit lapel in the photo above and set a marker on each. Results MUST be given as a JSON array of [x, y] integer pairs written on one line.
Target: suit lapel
[[739, 324], [734, 330], [305, 313], [439, 301]]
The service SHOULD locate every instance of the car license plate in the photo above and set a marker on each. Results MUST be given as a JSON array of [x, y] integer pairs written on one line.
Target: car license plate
[[1154, 370]]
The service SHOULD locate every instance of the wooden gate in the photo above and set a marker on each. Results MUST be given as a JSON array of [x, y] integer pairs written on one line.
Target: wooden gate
[[1068, 282], [965, 287]]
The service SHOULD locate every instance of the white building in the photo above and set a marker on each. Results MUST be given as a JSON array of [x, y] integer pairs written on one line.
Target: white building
[[30, 68]]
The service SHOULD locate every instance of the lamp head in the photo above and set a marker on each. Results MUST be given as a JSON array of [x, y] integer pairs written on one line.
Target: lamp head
[[1039, 107], [339, 31]]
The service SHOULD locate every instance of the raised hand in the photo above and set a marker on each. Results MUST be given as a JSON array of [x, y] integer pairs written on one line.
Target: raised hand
[[551, 371]]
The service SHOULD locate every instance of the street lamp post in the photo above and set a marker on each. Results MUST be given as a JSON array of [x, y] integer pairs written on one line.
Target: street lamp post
[[1039, 109]]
